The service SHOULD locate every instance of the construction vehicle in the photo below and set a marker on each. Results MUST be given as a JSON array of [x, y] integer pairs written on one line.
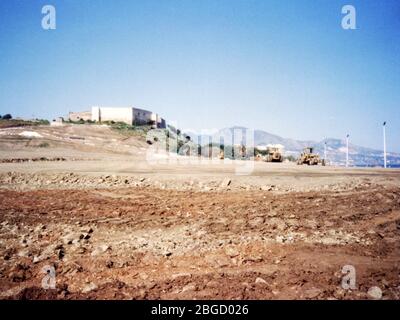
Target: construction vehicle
[[274, 153], [221, 154], [310, 158]]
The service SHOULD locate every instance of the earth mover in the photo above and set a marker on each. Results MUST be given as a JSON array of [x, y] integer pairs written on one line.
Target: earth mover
[[310, 158], [274, 154]]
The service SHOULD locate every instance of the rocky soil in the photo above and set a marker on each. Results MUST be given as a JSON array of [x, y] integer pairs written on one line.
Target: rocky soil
[[33, 181], [90, 212], [147, 243]]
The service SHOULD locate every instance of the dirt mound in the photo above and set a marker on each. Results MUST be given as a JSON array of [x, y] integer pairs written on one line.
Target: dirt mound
[[83, 138]]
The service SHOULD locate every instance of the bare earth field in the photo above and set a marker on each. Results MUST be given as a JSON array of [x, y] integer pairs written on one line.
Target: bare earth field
[[84, 200]]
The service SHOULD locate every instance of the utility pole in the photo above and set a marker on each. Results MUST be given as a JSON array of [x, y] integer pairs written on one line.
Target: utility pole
[[347, 150], [384, 144], [325, 152]]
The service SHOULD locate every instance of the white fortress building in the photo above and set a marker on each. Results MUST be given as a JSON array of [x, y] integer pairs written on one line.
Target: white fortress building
[[128, 115]]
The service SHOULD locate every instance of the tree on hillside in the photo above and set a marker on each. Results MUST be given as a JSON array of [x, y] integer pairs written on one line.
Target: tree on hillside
[[7, 116]]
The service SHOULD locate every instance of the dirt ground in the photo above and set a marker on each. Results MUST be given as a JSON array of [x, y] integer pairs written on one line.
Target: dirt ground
[[114, 226]]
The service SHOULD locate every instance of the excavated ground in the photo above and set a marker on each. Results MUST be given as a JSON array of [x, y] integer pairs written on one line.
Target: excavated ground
[[145, 243], [86, 201]]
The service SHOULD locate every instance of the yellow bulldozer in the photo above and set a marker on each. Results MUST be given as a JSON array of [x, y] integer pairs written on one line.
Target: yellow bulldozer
[[274, 153], [310, 158]]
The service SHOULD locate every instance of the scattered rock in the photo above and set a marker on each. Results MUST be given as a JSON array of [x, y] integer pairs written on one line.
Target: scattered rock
[[375, 293], [37, 259], [90, 287], [109, 264], [312, 293], [60, 253], [71, 238], [24, 253], [181, 275], [277, 223], [86, 236], [260, 281], [266, 188], [81, 250], [100, 250], [226, 182], [189, 287], [231, 251], [254, 258], [272, 214]]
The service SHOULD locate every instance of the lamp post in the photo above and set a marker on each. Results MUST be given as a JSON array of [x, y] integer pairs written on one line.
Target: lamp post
[[347, 150], [384, 144]]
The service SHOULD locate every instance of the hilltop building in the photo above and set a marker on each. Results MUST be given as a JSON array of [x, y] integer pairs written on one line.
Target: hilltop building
[[128, 115]]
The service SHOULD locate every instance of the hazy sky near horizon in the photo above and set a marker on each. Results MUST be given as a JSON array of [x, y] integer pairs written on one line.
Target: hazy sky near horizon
[[283, 66]]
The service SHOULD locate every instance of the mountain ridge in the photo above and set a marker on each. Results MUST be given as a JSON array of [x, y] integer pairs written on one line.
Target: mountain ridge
[[336, 148]]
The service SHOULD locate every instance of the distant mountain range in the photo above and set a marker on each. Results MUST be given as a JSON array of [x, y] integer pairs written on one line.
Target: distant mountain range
[[336, 148]]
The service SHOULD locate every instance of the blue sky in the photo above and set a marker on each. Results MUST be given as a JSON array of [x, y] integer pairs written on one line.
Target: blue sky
[[284, 66]]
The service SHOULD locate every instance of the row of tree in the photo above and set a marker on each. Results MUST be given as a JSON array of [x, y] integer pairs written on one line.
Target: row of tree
[[7, 116]]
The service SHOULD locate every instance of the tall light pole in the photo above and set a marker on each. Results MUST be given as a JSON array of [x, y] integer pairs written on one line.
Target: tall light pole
[[384, 144], [347, 150], [325, 151]]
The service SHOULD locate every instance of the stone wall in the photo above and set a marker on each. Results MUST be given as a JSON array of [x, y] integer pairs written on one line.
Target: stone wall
[[142, 117], [101, 114], [76, 116]]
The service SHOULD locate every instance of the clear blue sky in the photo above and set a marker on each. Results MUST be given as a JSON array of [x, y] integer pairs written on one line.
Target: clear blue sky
[[284, 66]]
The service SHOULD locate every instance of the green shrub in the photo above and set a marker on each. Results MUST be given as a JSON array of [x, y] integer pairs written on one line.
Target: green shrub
[[44, 145], [42, 122]]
